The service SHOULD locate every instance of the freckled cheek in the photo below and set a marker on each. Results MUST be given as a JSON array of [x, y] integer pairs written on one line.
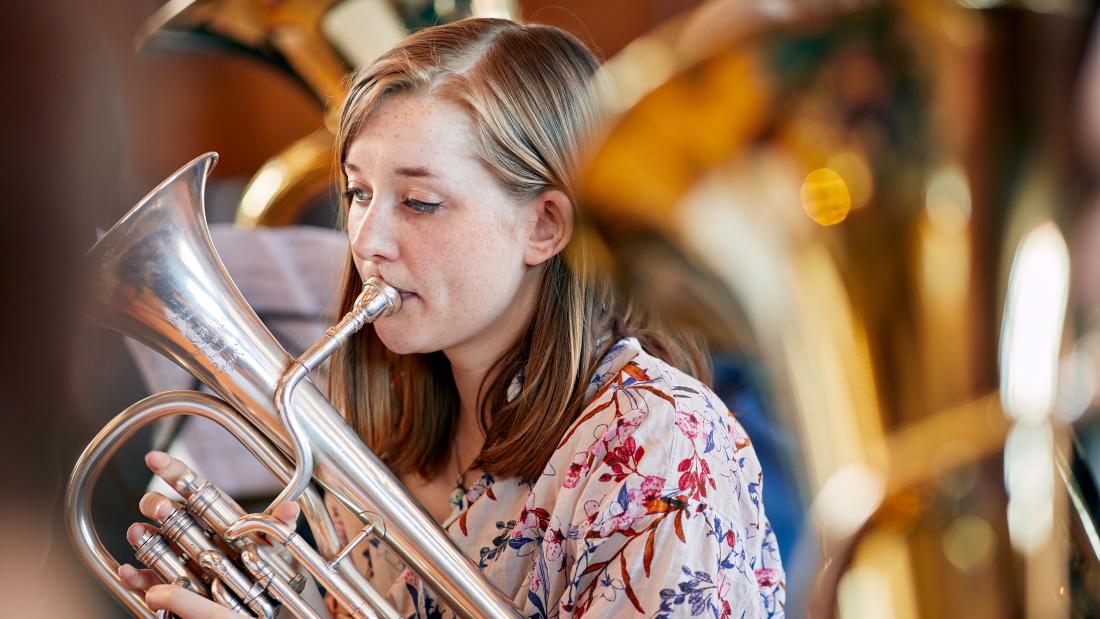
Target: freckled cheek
[[462, 274], [489, 278]]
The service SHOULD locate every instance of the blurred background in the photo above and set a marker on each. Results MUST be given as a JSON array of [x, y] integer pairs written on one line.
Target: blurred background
[[883, 217]]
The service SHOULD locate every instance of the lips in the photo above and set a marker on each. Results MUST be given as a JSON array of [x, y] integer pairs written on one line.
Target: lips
[[405, 294]]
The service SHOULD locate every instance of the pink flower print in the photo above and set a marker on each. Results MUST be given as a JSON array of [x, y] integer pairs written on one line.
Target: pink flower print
[[553, 547], [536, 581], [577, 469], [622, 520], [633, 417], [523, 528], [688, 481], [688, 422], [591, 510], [621, 455], [621, 429], [410, 578], [628, 422], [650, 490], [766, 577], [652, 486], [610, 433], [475, 492], [532, 521]]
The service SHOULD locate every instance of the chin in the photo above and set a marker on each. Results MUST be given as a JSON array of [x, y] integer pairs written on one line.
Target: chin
[[400, 341]]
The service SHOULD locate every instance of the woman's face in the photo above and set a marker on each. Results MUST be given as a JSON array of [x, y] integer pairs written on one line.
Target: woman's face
[[428, 216]]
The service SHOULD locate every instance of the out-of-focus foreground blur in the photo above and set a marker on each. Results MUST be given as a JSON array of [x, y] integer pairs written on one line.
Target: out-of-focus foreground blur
[[884, 218]]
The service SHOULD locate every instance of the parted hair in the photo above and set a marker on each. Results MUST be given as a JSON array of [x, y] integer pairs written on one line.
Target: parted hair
[[528, 90]]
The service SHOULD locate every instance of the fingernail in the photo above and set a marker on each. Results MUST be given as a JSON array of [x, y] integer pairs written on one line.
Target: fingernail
[[156, 596], [156, 459], [133, 534], [163, 511]]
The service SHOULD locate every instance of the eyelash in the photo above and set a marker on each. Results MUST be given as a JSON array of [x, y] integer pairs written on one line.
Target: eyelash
[[423, 208]]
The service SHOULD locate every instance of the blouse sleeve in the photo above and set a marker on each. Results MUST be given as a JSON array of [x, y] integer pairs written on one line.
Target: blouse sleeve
[[671, 521]]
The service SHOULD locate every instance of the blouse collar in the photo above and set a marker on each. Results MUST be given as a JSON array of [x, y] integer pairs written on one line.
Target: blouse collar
[[609, 366]]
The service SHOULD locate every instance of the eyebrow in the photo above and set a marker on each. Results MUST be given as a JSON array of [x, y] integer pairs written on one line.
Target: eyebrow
[[416, 172]]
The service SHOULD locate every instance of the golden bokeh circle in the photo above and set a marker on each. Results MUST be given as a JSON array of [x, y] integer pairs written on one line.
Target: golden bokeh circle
[[825, 197]]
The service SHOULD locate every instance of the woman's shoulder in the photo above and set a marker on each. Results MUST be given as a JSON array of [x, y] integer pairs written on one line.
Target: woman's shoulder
[[650, 421], [656, 455]]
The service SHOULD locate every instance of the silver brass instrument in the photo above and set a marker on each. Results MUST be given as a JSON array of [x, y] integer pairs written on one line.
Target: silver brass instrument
[[157, 278]]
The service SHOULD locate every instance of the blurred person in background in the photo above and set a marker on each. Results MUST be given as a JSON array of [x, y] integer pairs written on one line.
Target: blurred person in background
[[60, 161]]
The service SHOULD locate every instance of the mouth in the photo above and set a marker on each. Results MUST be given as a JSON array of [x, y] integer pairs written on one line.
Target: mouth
[[405, 294]]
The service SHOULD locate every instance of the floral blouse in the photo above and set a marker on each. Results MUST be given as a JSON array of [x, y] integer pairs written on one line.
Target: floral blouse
[[651, 505]]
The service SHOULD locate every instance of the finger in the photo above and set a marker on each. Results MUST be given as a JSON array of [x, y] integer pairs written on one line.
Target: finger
[[136, 530], [167, 468], [184, 603], [138, 579], [156, 506], [287, 512]]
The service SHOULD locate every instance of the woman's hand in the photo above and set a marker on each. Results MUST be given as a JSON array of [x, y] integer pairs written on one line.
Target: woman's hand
[[182, 602]]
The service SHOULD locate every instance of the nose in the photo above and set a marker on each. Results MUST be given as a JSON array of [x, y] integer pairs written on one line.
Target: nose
[[373, 234]]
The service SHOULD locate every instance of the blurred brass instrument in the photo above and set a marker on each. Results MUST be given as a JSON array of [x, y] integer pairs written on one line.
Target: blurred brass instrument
[[862, 198], [317, 42], [156, 277]]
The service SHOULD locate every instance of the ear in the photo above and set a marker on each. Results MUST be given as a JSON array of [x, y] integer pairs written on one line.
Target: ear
[[551, 218]]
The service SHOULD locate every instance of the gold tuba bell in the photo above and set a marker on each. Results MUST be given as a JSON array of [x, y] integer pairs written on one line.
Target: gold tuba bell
[[157, 278]]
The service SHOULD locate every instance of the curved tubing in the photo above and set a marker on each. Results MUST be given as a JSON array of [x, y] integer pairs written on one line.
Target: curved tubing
[[93, 460]]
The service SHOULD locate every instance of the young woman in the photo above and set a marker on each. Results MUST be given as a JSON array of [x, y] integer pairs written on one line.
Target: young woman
[[567, 450]]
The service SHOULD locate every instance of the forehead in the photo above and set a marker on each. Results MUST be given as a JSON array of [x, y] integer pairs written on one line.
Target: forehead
[[411, 130]]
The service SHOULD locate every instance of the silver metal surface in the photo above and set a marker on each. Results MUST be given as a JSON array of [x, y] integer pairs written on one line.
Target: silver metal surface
[[357, 605], [277, 587], [91, 463], [250, 593], [225, 597], [376, 300], [157, 555], [185, 533], [215, 510], [156, 278]]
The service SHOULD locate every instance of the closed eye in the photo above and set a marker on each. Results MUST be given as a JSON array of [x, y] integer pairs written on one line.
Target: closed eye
[[422, 207]]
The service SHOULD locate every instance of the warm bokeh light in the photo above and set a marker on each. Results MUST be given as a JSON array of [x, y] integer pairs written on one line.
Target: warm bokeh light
[[1031, 336], [968, 542], [260, 191], [1077, 382], [847, 498], [947, 200], [825, 197], [856, 173], [1029, 479], [865, 592]]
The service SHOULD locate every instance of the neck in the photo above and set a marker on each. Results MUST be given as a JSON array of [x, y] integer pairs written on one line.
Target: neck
[[472, 362]]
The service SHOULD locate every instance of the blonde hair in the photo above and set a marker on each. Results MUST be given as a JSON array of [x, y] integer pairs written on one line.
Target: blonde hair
[[527, 90]]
